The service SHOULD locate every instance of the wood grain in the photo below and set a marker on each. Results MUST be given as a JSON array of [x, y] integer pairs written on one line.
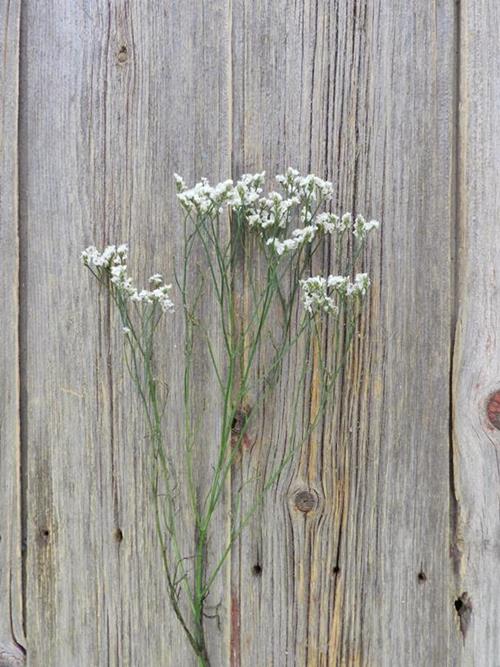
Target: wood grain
[[362, 93], [11, 610], [116, 97], [476, 363], [379, 546]]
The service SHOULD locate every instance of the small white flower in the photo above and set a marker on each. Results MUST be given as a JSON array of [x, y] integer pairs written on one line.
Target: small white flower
[[204, 198], [321, 294], [156, 279], [278, 246], [305, 234], [118, 274], [179, 183], [315, 296], [346, 221], [328, 223], [362, 227], [339, 284], [360, 286], [112, 263]]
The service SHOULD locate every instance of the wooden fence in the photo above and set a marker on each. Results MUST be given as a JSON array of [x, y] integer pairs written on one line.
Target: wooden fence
[[397, 561]]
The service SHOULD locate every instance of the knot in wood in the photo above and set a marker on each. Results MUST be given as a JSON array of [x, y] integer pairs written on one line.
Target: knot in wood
[[12, 654], [122, 55], [463, 606], [493, 409], [305, 500]]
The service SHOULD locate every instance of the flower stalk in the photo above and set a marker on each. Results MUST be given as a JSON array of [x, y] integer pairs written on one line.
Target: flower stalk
[[287, 311]]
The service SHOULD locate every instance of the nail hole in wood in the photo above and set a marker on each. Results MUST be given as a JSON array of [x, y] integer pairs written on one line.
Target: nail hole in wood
[[43, 536], [422, 576], [336, 569], [118, 535], [257, 570]]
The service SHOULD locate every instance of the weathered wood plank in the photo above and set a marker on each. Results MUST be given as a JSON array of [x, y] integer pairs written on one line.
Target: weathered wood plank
[[363, 93], [476, 363], [116, 96], [11, 612]]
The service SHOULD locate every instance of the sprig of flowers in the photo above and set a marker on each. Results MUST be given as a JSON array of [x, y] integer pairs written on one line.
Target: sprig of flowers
[[322, 295], [271, 215], [111, 264], [285, 228]]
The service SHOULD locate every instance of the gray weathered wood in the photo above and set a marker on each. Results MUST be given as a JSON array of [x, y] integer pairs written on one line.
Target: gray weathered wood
[[116, 96], [476, 359], [362, 93], [397, 561], [11, 612]]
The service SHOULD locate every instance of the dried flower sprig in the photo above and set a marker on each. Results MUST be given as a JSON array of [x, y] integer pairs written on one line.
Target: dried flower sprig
[[320, 294], [111, 263], [280, 232]]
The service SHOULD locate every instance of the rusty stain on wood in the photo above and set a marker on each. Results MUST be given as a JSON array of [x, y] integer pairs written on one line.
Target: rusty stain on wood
[[235, 641], [493, 409]]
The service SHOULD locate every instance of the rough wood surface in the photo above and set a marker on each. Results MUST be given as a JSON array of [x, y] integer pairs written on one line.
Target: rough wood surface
[[476, 362], [115, 98], [11, 612], [361, 92], [379, 546]]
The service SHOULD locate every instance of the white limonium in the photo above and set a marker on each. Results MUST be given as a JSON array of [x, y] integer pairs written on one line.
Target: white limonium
[[362, 227], [305, 186], [271, 216], [360, 285], [179, 183], [321, 294], [281, 247], [156, 279], [203, 197], [111, 255], [315, 296], [276, 237], [111, 263], [247, 191]]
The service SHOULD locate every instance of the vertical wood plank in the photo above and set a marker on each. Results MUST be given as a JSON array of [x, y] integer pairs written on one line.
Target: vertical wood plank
[[11, 612], [116, 96], [364, 94], [476, 404]]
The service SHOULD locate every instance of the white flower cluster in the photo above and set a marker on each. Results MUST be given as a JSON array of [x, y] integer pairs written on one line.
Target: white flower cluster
[[247, 191], [268, 215], [321, 294], [325, 223], [203, 197], [112, 261], [362, 227], [246, 194], [305, 187]]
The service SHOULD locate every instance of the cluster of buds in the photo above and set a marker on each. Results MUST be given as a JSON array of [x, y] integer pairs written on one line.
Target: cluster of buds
[[111, 263], [323, 295]]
